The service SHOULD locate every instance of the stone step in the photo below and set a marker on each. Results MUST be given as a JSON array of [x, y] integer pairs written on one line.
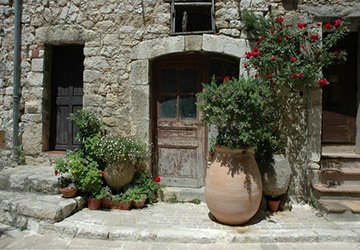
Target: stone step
[[178, 194], [26, 210], [340, 209], [340, 176], [339, 162], [190, 223], [341, 191], [29, 179]]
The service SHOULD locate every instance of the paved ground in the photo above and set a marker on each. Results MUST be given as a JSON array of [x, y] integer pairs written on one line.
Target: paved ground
[[186, 226]]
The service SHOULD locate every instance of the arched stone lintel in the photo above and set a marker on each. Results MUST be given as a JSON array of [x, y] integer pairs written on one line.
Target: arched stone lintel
[[177, 44]]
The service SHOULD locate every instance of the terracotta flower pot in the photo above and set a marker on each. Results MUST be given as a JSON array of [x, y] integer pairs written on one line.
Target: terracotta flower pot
[[273, 204], [106, 203], [233, 187], [94, 204], [68, 192], [119, 174], [122, 205]]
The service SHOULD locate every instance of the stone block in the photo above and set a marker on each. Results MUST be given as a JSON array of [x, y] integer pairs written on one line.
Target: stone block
[[32, 139], [140, 114], [157, 47], [37, 65], [139, 74], [35, 79], [193, 42], [32, 107]]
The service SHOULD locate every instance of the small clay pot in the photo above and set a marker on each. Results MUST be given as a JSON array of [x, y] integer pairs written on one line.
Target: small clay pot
[[68, 192], [94, 204]]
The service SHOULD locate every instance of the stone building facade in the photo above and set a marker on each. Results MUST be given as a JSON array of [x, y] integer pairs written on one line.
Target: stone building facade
[[124, 45]]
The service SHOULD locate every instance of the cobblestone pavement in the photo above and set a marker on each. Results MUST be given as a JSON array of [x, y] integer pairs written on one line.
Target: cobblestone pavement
[[15, 239], [187, 226]]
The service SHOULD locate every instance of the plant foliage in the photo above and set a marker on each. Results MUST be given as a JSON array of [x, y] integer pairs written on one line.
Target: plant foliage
[[242, 111]]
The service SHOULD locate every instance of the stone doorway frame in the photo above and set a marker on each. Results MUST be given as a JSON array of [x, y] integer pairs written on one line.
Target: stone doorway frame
[[140, 74]]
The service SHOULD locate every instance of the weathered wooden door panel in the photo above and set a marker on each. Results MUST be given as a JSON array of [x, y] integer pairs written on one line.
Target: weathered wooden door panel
[[67, 94], [180, 140], [339, 98]]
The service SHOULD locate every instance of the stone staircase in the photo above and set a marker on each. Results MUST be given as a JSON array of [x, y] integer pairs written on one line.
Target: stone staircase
[[29, 195], [338, 187]]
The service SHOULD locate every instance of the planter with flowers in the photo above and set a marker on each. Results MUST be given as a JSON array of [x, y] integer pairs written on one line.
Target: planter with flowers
[[289, 56], [121, 156], [243, 113]]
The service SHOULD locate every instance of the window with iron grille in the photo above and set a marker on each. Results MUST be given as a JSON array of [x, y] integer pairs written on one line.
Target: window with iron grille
[[195, 16]]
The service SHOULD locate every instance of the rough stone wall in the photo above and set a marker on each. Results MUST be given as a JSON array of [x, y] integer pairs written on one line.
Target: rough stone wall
[[6, 65], [110, 30]]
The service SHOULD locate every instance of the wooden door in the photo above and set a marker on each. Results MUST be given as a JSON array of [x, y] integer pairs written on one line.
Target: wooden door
[[66, 94], [180, 140], [339, 97]]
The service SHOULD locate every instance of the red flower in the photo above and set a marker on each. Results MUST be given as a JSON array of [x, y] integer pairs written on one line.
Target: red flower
[[328, 26], [301, 25], [314, 37], [293, 75], [302, 46], [270, 76], [323, 82], [272, 31], [56, 172], [226, 78], [293, 59], [157, 179], [256, 49], [300, 75], [279, 19], [245, 65], [318, 24], [102, 173], [338, 23], [280, 39]]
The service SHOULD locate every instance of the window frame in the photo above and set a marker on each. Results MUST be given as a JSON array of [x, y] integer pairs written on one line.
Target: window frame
[[193, 3]]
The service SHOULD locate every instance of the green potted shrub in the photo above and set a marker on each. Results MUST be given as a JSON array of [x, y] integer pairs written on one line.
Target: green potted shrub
[[121, 155], [242, 111]]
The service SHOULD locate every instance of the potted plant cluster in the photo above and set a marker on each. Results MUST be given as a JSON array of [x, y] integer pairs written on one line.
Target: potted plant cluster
[[289, 56], [92, 167], [242, 111]]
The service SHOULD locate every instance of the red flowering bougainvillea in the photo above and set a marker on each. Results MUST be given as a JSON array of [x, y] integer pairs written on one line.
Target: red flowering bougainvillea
[[292, 53]]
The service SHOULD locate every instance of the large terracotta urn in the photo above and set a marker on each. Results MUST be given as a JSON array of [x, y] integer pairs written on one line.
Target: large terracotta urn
[[233, 187], [119, 174]]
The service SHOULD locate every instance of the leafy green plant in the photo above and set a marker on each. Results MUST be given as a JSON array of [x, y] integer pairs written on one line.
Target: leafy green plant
[[173, 199], [83, 170], [87, 123], [195, 201], [144, 184], [291, 53], [242, 111]]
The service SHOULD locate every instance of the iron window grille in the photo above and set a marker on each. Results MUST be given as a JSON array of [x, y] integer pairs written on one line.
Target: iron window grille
[[192, 17]]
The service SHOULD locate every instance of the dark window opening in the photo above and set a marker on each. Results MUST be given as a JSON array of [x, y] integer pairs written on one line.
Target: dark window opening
[[190, 17]]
